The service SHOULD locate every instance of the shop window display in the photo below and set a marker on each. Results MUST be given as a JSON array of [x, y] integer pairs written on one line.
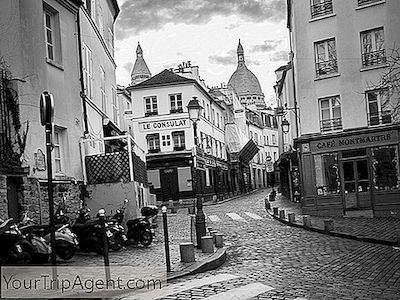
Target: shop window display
[[327, 174], [385, 167]]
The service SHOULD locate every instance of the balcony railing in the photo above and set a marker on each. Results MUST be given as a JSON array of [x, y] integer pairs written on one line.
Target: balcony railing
[[380, 117], [365, 2], [331, 124], [321, 9], [326, 67], [374, 58]]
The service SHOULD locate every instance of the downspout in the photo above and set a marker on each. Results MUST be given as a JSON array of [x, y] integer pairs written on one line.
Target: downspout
[[82, 93]]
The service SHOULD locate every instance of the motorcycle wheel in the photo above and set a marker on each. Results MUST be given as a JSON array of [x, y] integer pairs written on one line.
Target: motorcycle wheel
[[117, 244], [65, 252], [146, 238]]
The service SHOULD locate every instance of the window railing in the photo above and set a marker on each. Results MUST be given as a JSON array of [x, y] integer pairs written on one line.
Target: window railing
[[365, 2], [380, 117], [331, 124], [176, 110], [179, 148], [151, 113], [154, 150], [326, 67], [374, 58], [321, 9]]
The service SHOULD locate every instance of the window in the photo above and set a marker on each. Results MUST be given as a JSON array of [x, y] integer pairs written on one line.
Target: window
[[321, 8], [111, 40], [166, 140], [88, 71], [52, 34], [327, 174], [179, 140], [273, 139], [103, 90], [365, 2], [58, 151], [217, 119], [385, 168], [373, 47], [115, 105], [325, 57], [379, 111], [176, 103], [331, 118], [204, 109], [100, 19], [256, 138], [153, 142], [213, 116], [151, 106]]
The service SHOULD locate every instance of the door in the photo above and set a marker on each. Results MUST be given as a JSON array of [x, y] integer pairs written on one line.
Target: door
[[169, 184], [356, 184], [12, 197]]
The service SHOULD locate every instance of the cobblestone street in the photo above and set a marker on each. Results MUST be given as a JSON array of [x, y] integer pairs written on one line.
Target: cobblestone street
[[268, 260]]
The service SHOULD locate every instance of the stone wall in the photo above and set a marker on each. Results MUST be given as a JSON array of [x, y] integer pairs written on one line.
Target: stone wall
[[3, 197]]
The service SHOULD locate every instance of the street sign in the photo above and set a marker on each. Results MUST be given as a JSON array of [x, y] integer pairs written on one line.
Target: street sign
[[268, 158], [270, 166]]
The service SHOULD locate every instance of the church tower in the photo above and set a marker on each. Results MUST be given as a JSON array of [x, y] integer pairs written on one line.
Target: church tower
[[140, 71]]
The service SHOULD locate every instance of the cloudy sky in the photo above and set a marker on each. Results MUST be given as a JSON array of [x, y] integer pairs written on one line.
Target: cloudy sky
[[205, 32]]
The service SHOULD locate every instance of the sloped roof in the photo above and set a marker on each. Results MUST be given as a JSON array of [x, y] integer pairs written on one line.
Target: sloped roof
[[162, 78]]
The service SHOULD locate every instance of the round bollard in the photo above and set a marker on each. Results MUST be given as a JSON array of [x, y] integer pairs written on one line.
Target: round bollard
[[328, 225], [213, 233], [275, 210], [282, 214], [207, 244], [306, 221], [291, 218], [187, 252], [219, 240]]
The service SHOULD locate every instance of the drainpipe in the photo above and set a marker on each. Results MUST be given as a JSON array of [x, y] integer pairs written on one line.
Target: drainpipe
[[82, 93]]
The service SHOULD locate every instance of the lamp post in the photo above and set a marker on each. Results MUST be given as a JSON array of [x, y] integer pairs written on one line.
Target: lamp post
[[194, 109]]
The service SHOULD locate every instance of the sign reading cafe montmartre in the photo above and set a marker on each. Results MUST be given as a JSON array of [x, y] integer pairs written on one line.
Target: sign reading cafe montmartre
[[356, 141], [164, 124]]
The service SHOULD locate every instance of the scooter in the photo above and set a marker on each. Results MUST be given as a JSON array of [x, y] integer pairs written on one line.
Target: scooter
[[114, 224]]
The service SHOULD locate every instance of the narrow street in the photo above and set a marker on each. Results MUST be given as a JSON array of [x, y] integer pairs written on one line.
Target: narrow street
[[268, 260]]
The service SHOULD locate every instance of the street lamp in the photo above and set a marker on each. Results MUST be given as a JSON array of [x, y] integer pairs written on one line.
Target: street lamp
[[285, 126], [194, 109]]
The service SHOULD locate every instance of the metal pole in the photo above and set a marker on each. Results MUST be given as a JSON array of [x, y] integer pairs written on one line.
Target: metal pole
[[105, 246], [166, 239]]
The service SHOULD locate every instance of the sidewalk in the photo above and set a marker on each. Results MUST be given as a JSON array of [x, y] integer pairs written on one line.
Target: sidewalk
[[377, 230]]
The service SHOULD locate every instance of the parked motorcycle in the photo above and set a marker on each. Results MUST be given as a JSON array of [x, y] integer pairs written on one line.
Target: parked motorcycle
[[114, 224]]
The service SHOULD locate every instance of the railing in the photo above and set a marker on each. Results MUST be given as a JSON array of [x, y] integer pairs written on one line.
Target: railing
[[380, 117], [321, 9], [365, 2], [374, 58], [326, 67], [331, 124]]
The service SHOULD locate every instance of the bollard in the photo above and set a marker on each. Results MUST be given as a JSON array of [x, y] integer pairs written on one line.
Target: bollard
[[282, 214], [219, 240], [275, 209], [306, 221], [328, 225], [166, 239], [213, 233], [187, 252], [267, 204], [101, 215], [291, 218], [207, 244]]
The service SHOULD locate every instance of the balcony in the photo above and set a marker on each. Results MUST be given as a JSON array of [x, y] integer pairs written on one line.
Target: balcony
[[326, 67], [380, 117], [373, 58], [331, 125], [365, 2], [321, 9]]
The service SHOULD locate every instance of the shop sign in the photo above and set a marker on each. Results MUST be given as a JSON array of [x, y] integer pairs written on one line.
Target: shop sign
[[164, 124], [355, 141], [222, 166], [270, 166], [210, 162]]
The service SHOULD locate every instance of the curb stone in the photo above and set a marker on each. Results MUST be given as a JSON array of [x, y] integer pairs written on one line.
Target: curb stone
[[232, 198], [335, 233]]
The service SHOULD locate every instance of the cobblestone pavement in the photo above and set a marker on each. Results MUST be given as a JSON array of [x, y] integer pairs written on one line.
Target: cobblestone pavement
[[269, 260], [387, 229]]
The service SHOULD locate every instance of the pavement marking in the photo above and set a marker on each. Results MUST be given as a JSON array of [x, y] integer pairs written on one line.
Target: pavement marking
[[180, 287], [214, 218], [241, 293], [235, 216], [253, 215]]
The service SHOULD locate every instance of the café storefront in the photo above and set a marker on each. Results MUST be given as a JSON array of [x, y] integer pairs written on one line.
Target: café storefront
[[350, 173]]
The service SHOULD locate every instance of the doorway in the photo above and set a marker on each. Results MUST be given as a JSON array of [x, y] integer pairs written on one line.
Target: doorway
[[13, 196], [356, 183], [169, 184]]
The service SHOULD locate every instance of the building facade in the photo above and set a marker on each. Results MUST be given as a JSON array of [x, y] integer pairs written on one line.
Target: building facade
[[349, 155]]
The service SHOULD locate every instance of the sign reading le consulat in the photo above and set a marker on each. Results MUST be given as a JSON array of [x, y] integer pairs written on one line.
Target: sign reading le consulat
[[164, 124], [355, 141]]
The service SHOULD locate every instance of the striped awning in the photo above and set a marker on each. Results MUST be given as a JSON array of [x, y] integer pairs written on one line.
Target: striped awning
[[248, 151]]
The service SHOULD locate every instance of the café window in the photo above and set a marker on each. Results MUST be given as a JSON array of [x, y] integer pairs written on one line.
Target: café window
[[385, 168], [166, 140], [179, 140], [153, 142], [327, 174]]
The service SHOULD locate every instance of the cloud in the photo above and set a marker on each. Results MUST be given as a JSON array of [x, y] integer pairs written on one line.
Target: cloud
[[128, 66], [231, 59], [232, 26], [143, 15], [280, 56], [170, 65], [268, 45]]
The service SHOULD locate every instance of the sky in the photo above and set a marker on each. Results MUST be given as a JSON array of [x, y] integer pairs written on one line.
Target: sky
[[205, 32]]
